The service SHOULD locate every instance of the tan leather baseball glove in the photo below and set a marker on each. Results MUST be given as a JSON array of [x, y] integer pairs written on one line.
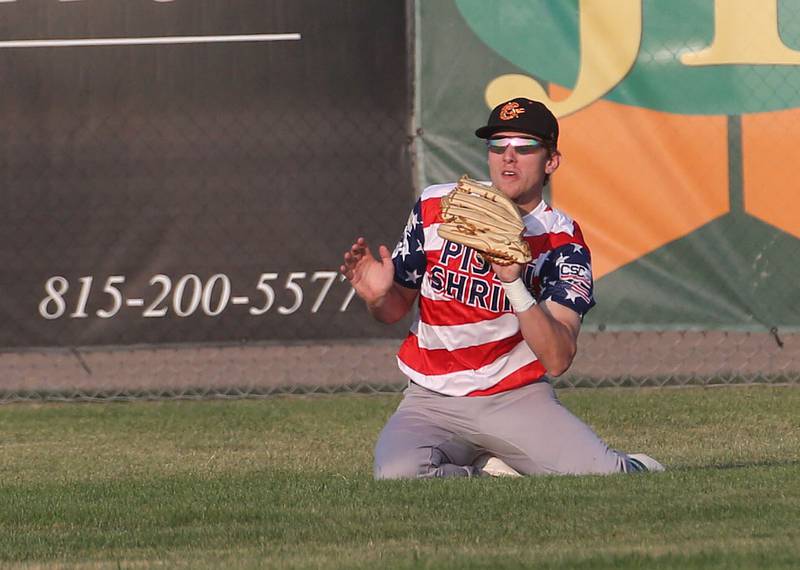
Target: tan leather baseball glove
[[485, 219]]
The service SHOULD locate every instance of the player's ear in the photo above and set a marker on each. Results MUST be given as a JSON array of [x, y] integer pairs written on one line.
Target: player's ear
[[553, 162]]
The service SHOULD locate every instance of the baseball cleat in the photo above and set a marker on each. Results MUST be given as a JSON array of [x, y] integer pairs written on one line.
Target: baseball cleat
[[644, 463], [494, 467]]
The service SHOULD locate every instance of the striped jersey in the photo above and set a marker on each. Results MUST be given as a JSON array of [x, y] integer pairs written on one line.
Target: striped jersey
[[465, 339]]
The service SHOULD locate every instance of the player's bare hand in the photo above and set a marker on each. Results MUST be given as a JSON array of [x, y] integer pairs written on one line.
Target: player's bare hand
[[371, 277], [507, 273]]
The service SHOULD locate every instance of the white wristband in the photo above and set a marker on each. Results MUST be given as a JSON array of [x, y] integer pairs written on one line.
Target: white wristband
[[518, 295]]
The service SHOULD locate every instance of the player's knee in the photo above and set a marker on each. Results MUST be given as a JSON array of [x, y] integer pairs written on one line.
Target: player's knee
[[396, 459], [424, 463], [395, 468]]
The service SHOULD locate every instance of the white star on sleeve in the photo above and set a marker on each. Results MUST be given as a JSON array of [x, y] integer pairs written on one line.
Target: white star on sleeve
[[576, 248], [411, 223], [419, 247], [404, 251], [412, 276], [571, 295]]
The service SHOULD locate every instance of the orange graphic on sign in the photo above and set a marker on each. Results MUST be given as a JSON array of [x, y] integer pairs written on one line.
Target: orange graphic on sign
[[770, 191], [636, 179], [510, 111]]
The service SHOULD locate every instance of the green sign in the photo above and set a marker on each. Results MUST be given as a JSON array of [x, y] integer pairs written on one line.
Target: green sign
[[679, 124]]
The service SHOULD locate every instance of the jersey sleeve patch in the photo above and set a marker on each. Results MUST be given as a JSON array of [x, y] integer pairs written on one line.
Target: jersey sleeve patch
[[566, 278], [409, 254]]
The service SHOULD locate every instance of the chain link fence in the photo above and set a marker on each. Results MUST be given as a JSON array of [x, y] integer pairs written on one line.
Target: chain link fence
[[605, 359]]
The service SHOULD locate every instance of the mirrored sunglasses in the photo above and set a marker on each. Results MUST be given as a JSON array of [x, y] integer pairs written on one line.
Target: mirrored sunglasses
[[520, 145]]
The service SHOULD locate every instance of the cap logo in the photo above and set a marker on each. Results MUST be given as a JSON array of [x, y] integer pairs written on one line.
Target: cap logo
[[510, 111]]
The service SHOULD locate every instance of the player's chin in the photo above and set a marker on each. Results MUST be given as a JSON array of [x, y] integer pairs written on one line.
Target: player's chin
[[510, 187]]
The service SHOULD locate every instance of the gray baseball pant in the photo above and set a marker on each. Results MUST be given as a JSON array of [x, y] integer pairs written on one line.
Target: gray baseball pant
[[432, 435]]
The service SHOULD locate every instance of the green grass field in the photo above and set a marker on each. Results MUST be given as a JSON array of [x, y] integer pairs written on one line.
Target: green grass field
[[286, 482]]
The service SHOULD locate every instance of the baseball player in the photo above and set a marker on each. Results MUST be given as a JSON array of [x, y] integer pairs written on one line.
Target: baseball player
[[486, 337]]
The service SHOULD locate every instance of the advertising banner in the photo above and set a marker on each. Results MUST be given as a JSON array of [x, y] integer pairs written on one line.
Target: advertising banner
[[191, 171], [679, 123]]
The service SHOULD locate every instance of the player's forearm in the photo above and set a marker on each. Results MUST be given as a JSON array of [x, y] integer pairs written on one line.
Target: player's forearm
[[553, 342], [550, 330], [390, 307]]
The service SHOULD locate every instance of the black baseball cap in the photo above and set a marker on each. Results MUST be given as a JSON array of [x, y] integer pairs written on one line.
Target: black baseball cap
[[524, 116]]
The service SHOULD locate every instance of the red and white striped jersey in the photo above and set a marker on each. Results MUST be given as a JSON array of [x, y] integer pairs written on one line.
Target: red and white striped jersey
[[465, 339]]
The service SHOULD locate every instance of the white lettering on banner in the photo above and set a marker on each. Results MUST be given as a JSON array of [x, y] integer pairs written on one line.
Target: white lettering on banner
[[86, 42], [190, 295], [158, 1]]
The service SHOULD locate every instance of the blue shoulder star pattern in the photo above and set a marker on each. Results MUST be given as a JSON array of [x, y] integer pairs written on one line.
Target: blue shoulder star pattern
[[409, 254], [566, 278]]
